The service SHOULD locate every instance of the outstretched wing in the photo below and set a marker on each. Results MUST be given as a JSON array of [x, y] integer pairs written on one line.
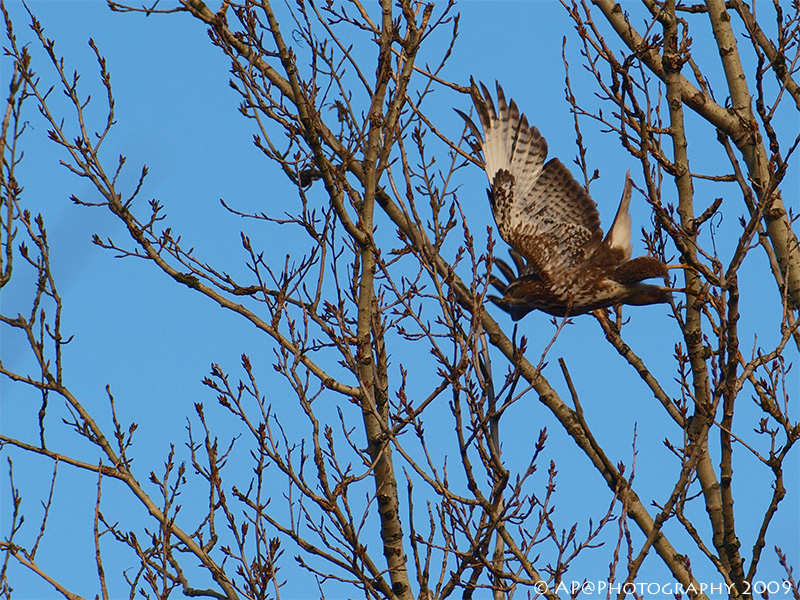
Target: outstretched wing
[[539, 208]]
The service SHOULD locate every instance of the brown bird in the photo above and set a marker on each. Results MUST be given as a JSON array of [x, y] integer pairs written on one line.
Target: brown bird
[[564, 265]]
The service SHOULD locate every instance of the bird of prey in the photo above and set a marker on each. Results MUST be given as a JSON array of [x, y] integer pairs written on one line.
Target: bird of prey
[[564, 264]]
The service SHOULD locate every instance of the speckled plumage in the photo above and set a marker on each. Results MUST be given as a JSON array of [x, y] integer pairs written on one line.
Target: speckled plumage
[[564, 265]]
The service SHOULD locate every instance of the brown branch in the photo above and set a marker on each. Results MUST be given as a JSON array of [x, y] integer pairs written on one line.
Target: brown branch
[[738, 126]]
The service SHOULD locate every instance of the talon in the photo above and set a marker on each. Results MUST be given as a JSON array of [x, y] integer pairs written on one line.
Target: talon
[[683, 266]]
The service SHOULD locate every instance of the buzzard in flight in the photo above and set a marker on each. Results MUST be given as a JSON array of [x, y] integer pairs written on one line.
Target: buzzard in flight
[[564, 265]]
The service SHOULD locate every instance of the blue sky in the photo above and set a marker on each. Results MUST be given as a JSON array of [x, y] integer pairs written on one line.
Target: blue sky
[[152, 341]]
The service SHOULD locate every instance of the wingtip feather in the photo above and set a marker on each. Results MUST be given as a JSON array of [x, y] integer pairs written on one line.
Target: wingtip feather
[[619, 236]]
